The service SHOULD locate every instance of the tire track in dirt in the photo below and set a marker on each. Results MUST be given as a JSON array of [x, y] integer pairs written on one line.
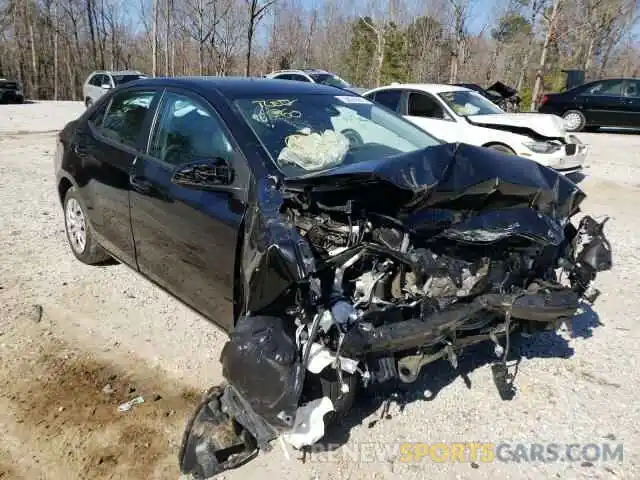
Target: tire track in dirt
[[52, 405]]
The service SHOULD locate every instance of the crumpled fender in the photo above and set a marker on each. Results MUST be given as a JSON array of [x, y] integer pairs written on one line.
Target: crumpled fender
[[274, 255]]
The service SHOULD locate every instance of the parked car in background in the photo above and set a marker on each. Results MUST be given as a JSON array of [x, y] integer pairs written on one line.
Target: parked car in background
[[323, 233], [458, 114], [321, 77], [10, 91], [100, 82], [505, 97], [613, 102]]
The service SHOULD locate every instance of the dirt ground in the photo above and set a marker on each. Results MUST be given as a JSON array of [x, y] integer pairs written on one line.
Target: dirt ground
[[75, 341]]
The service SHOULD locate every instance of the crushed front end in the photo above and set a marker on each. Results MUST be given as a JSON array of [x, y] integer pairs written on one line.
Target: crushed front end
[[368, 272]]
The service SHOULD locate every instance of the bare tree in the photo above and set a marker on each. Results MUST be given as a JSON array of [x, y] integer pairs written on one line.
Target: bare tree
[[380, 36], [545, 49], [256, 10], [460, 10], [154, 40]]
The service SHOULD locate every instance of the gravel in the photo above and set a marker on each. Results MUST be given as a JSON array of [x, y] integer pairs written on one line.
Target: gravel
[[575, 387]]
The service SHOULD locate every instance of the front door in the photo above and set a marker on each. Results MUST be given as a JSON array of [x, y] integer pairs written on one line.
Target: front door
[[186, 237], [603, 103], [429, 114]]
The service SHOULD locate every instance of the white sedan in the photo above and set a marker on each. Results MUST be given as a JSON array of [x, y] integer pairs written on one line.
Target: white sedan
[[458, 114]]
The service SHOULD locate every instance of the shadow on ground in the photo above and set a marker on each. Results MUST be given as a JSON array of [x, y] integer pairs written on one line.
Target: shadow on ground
[[440, 374]]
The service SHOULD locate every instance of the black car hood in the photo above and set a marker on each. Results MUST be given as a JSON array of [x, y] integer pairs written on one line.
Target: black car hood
[[461, 191]]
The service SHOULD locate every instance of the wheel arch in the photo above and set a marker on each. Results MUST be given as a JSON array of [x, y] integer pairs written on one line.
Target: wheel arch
[[501, 144], [63, 187]]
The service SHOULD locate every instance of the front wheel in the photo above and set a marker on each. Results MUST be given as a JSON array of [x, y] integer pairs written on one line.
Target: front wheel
[[574, 120], [88, 102], [79, 232]]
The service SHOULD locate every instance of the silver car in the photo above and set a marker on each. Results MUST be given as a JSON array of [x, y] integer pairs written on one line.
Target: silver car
[[315, 76], [100, 81]]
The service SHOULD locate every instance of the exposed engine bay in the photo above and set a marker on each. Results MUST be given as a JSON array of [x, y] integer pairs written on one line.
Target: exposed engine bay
[[404, 265]]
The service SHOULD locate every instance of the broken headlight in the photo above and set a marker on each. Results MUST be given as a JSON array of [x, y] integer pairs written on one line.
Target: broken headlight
[[543, 147]]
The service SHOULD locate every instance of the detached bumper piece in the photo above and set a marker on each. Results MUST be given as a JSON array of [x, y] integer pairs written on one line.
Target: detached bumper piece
[[216, 437]]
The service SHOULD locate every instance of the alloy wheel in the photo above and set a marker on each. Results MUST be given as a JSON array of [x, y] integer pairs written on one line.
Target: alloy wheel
[[572, 121], [76, 226]]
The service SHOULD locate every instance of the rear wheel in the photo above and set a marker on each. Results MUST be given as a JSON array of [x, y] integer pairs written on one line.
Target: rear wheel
[[501, 148], [79, 232], [574, 120]]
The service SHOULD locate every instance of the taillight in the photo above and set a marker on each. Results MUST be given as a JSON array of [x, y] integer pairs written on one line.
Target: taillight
[[544, 99]]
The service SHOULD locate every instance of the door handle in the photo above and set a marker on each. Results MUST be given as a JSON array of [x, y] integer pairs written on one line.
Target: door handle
[[140, 184], [78, 150]]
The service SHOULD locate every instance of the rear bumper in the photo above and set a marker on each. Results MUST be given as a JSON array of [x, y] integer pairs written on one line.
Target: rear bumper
[[549, 306], [11, 96]]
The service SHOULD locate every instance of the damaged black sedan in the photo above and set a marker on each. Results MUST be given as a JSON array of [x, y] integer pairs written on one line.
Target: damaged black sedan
[[339, 245]]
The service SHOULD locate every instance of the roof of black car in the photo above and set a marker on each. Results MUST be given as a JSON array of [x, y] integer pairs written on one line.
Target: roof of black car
[[244, 86]]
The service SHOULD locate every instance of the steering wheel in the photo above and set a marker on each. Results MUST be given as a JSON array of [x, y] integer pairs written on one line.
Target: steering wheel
[[355, 139]]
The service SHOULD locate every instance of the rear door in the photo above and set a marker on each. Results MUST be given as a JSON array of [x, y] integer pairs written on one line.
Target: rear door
[[390, 98], [107, 146], [602, 103], [631, 103], [185, 229]]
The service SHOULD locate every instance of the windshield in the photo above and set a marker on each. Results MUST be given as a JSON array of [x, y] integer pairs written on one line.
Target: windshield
[[466, 103], [329, 79], [314, 132], [120, 79]]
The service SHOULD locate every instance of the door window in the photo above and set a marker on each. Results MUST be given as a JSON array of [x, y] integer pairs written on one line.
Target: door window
[[632, 89], [606, 88], [97, 117], [292, 76], [423, 105], [388, 98], [299, 78], [187, 131], [125, 118]]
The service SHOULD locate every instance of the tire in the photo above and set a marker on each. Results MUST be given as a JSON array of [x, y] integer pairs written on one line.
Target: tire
[[79, 232], [501, 148], [574, 120], [88, 102]]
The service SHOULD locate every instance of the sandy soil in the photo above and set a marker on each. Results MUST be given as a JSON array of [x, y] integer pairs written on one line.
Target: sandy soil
[[104, 326]]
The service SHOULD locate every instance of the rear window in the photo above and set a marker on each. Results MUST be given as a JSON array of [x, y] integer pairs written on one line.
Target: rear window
[[120, 79], [388, 98]]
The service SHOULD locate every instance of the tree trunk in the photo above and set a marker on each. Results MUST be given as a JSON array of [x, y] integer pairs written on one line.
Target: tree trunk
[[380, 44], [543, 56], [54, 22], [249, 45], [154, 40], [34, 56], [94, 51], [589, 56], [167, 38]]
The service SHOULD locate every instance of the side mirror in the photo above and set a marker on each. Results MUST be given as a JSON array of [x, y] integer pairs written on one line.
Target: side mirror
[[106, 86], [204, 174]]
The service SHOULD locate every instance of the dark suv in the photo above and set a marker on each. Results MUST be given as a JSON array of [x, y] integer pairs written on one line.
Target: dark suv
[[10, 91], [337, 244], [604, 103]]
